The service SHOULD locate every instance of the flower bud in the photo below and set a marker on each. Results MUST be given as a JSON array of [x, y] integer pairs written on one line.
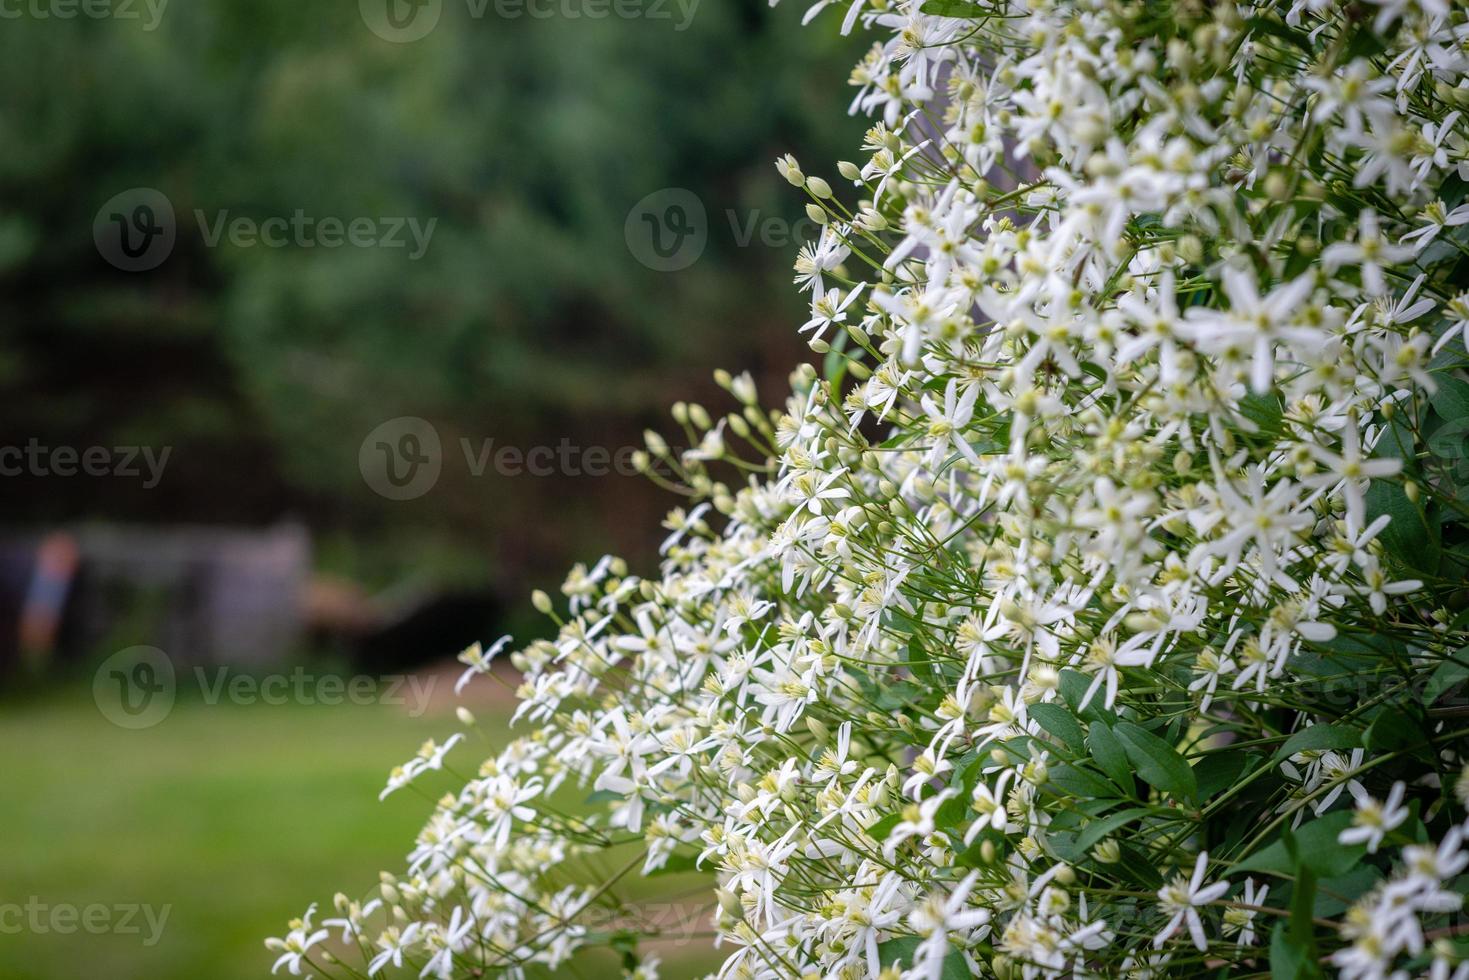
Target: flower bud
[[1192, 249], [1277, 188], [541, 601], [788, 168], [849, 170], [729, 903], [818, 187]]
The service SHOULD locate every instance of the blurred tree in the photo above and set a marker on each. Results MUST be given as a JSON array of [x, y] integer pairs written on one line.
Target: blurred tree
[[527, 319]]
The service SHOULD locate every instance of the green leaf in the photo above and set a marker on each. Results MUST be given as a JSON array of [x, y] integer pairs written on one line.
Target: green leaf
[[1448, 675], [1058, 721], [1411, 537], [1398, 441], [1289, 960], [880, 830], [1275, 28], [1265, 412], [1139, 867], [1081, 783], [896, 695], [1318, 737], [1316, 847], [950, 813], [1395, 730], [1302, 906], [1158, 763], [1365, 43], [1096, 829], [1451, 400], [1073, 688], [605, 796], [677, 864], [1336, 895], [1302, 929], [1111, 756], [905, 948], [965, 9], [902, 949], [1218, 771]]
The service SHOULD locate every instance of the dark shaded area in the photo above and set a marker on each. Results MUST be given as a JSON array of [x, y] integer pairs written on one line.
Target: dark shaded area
[[527, 320]]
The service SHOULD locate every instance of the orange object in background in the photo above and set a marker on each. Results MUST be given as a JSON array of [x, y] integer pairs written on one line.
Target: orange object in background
[[57, 558]]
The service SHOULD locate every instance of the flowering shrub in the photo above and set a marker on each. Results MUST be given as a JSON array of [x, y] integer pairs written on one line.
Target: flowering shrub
[[1100, 608]]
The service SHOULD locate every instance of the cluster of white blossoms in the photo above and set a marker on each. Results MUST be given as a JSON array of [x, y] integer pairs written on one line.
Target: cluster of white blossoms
[[1094, 611]]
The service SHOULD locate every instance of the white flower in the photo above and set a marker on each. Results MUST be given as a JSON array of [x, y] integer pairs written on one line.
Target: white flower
[[1181, 900], [946, 425], [1131, 318], [1368, 254], [297, 944], [1373, 820], [1240, 919]]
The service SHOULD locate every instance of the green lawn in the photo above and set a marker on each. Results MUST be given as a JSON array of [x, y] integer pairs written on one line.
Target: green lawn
[[234, 817]]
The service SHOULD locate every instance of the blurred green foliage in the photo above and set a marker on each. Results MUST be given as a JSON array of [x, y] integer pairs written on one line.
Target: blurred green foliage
[[526, 321]]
